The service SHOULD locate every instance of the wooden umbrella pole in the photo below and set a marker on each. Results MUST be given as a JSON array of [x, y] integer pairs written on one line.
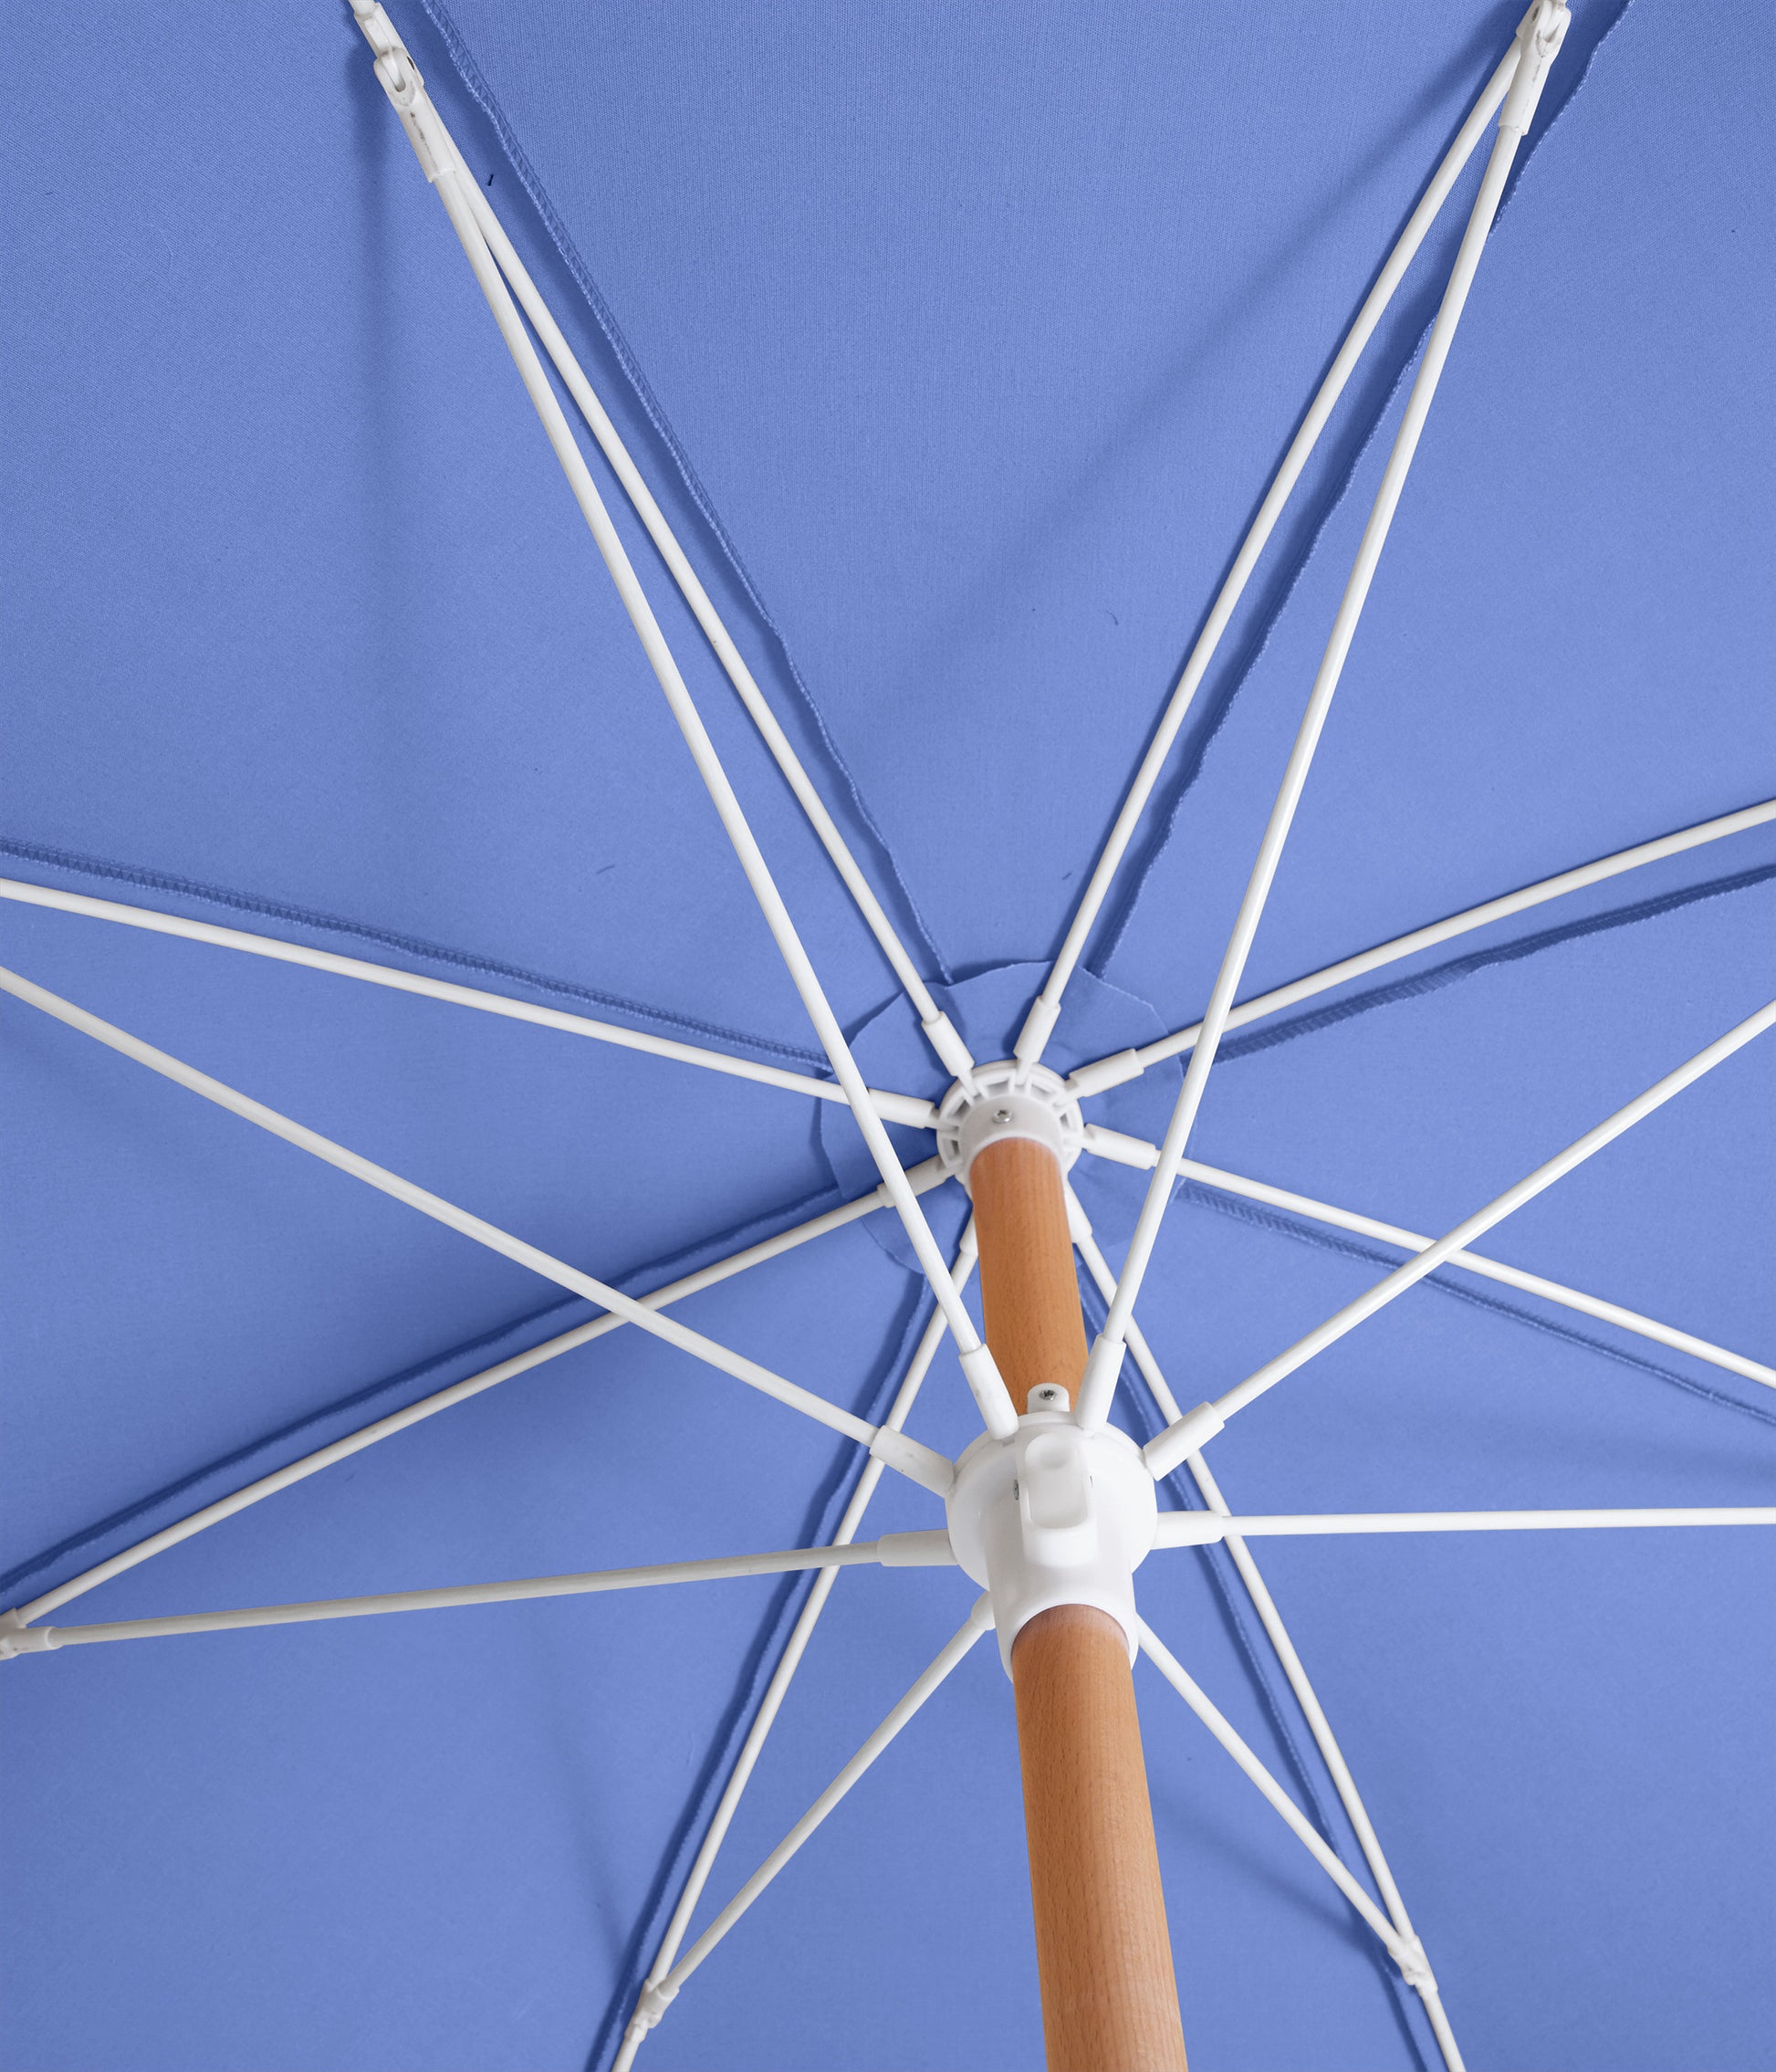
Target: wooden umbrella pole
[[1110, 2000]]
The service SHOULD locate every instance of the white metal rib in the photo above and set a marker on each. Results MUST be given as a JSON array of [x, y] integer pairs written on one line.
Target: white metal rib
[[1271, 1618], [947, 1043], [1165, 1451], [1194, 1696], [1202, 1528], [1424, 1982], [1134, 1151], [1045, 1009], [1490, 1268], [40, 1639], [894, 1107], [978, 1366], [923, 1177], [980, 1621], [787, 1392], [1107, 1353], [789, 1662], [1106, 1072]]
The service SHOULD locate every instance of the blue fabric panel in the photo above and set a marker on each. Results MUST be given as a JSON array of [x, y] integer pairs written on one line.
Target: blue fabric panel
[[303, 609], [958, 347]]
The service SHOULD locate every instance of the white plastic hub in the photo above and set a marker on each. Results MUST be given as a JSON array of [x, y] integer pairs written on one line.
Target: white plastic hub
[[1053, 1515], [1008, 1100]]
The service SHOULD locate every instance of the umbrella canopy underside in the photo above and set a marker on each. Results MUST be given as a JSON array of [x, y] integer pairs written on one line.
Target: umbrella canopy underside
[[958, 349]]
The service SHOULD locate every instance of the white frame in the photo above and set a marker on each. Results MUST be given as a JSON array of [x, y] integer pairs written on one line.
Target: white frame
[[1509, 95]]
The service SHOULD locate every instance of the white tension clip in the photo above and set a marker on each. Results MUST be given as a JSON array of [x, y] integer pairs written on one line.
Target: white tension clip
[[1540, 35], [399, 77], [1053, 1515]]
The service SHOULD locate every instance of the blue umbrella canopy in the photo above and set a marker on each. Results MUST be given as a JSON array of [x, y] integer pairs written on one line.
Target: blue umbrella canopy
[[959, 350]]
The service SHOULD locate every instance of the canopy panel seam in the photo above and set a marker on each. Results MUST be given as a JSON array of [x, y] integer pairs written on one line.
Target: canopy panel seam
[[1272, 600], [416, 947], [474, 83], [1449, 1281], [1452, 971], [272, 1449]]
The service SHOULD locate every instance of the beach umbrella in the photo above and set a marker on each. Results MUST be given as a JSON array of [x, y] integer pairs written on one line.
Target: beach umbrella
[[1101, 957]]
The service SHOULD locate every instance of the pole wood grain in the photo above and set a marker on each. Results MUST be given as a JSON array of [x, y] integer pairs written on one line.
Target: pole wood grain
[[1028, 1291], [1110, 2003], [1110, 2000]]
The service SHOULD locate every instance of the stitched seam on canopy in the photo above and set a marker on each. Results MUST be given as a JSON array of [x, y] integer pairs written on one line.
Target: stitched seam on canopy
[[1445, 1282], [273, 1449], [1193, 750], [1460, 967], [475, 83], [97, 867]]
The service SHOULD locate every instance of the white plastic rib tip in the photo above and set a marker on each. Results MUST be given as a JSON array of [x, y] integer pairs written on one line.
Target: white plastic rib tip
[[1190, 1529], [1106, 1072], [1177, 1442], [906, 1109], [918, 1463], [1097, 1384], [1039, 1026], [986, 1385], [953, 1053], [1053, 1515], [399, 78], [379, 30], [1540, 35], [915, 1550], [1120, 1149], [1008, 1099]]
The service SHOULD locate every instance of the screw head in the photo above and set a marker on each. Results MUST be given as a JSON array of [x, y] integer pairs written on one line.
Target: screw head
[[1001, 1115]]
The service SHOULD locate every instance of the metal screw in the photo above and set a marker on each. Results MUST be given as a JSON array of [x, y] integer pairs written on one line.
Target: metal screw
[[1002, 1114]]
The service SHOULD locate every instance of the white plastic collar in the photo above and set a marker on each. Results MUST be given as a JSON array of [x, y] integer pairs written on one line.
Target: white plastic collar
[[18, 1638], [1008, 1099], [654, 2001]]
